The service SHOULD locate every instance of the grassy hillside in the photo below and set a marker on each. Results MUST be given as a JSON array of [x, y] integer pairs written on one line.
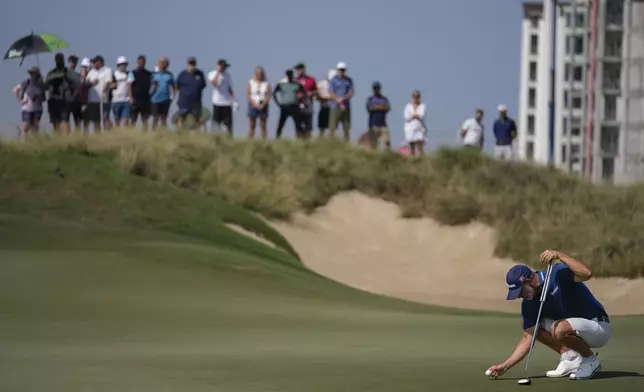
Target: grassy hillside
[[532, 208], [117, 282], [112, 306]]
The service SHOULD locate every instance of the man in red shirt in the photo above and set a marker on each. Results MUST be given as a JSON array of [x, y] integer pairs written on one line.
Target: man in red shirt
[[306, 102]]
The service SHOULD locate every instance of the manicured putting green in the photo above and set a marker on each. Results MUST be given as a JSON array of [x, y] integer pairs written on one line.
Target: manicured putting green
[[139, 311]]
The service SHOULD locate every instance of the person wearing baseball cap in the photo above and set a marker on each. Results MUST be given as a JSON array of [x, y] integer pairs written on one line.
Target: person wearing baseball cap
[[190, 84], [573, 321], [100, 81], [121, 94], [223, 97], [505, 131], [306, 101], [378, 107], [341, 90]]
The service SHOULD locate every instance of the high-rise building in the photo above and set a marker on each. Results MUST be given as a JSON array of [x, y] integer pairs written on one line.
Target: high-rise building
[[599, 87]]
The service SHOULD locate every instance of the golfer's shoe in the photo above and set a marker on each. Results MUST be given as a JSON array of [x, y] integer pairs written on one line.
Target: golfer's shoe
[[568, 364], [589, 366]]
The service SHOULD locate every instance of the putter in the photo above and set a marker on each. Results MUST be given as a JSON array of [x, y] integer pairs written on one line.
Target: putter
[[544, 293]]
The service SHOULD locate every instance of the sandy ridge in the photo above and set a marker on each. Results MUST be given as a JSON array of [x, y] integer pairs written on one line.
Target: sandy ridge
[[362, 242]]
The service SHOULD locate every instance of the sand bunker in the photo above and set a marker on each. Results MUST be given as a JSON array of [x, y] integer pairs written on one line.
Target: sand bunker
[[364, 243]]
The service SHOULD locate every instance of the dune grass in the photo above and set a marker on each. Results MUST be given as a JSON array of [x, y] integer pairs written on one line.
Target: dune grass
[[532, 208]]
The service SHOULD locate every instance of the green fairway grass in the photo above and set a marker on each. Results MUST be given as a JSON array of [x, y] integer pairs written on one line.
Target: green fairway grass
[[115, 282], [145, 311]]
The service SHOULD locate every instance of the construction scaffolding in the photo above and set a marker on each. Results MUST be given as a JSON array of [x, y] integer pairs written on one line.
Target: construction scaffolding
[[614, 122], [632, 105]]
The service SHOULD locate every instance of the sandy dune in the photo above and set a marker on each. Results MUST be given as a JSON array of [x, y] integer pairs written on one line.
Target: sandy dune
[[363, 242]]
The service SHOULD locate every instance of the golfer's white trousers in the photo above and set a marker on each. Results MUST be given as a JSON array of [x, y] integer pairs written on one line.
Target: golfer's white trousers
[[595, 333]]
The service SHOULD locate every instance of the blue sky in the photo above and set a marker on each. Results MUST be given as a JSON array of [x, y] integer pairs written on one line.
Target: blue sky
[[461, 54]]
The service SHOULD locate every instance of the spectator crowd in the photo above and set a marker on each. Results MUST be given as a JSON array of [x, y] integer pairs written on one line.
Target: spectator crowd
[[95, 96]]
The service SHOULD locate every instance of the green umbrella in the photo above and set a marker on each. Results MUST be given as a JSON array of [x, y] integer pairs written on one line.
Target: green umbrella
[[34, 43]]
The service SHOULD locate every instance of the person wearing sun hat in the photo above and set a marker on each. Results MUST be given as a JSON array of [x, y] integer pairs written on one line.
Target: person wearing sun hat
[[31, 95]]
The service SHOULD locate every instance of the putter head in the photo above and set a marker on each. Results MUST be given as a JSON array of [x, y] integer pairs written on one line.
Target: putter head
[[525, 381]]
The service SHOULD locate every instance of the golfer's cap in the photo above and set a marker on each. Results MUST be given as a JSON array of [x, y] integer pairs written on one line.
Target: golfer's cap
[[223, 63], [86, 62], [121, 60], [331, 74], [515, 278], [376, 85], [341, 65], [33, 70], [299, 66], [503, 108]]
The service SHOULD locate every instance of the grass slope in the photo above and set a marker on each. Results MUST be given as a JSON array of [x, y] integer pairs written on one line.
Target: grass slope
[[92, 308], [532, 208], [112, 282]]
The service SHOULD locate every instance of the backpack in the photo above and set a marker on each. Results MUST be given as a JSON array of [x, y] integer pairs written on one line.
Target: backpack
[[23, 89], [61, 87]]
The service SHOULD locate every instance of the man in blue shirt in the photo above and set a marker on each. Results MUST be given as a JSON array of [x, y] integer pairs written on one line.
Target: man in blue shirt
[[572, 320], [341, 92], [505, 130], [378, 106], [190, 84], [162, 93]]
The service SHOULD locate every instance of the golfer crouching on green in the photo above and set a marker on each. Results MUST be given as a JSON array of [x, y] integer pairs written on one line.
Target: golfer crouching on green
[[573, 321]]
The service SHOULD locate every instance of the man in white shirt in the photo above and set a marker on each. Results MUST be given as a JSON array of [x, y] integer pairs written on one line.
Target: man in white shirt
[[121, 100], [472, 131], [223, 98], [100, 80]]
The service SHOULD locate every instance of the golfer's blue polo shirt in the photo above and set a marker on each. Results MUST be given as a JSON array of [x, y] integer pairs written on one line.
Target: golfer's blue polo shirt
[[566, 299]]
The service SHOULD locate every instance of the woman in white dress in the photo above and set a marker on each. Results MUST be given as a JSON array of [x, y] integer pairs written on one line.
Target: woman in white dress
[[415, 130], [259, 93]]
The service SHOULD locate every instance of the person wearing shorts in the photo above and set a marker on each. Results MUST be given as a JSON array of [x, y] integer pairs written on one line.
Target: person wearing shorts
[[223, 97], [378, 107], [76, 104], [60, 84], [323, 97], [307, 100], [190, 84], [258, 91], [341, 89], [573, 321], [100, 80], [140, 88], [162, 93], [121, 93], [31, 95]]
